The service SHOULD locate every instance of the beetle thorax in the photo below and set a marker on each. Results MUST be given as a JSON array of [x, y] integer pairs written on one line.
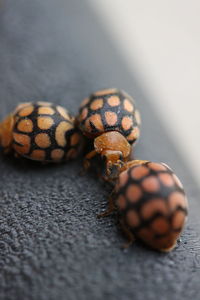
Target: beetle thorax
[[112, 141]]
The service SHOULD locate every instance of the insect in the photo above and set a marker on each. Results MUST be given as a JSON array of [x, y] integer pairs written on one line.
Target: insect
[[41, 131], [110, 118], [151, 204]]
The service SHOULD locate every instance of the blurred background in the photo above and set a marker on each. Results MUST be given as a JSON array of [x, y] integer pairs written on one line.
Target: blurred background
[[160, 42]]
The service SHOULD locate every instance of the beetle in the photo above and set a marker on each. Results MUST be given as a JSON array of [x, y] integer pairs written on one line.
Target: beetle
[[151, 204], [41, 131], [110, 118]]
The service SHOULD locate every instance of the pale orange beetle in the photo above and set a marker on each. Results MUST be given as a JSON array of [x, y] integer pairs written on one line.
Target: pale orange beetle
[[151, 204], [41, 131], [110, 118]]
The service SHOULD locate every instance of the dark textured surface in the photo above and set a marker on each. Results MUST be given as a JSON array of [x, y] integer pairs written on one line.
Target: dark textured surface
[[51, 244]]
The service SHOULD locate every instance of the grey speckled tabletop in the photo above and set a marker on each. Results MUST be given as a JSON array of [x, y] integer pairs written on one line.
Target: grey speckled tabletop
[[51, 244]]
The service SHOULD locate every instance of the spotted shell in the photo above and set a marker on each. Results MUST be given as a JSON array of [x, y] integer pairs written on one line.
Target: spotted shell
[[110, 110], [152, 204], [45, 132]]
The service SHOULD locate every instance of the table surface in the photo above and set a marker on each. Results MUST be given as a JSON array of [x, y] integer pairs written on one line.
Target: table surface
[[51, 244]]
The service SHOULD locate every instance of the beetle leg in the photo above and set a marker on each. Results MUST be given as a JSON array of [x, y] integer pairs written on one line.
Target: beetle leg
[[129, 235], [88, 157], [111, 208]]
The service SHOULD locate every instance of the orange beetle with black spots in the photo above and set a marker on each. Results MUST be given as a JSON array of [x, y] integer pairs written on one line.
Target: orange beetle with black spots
[[41, 131], [151, 204], [110, 118]]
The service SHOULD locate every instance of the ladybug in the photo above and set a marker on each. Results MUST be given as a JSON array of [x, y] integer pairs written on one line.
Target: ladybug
[[41, 131], [110, 118], [151, 204]]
